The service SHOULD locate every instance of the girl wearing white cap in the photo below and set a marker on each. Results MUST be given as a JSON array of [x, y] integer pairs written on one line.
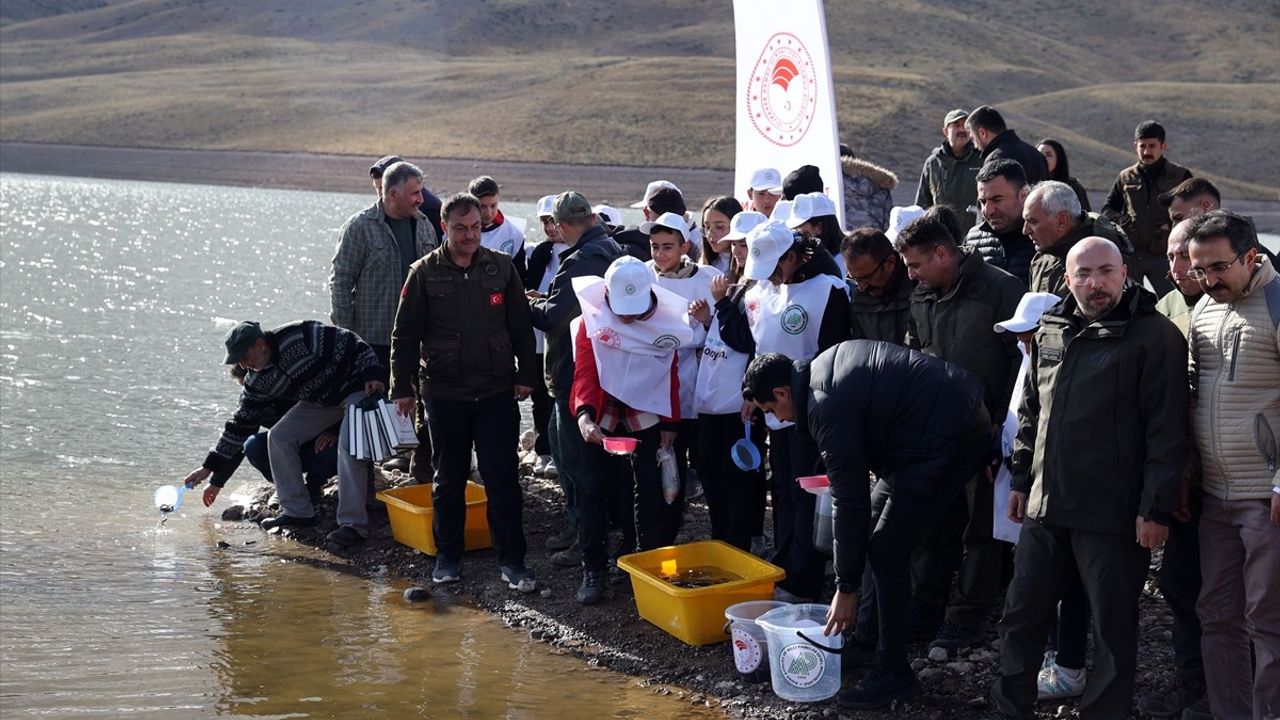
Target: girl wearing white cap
[[798, 307], [717, 216], [626, 383], [814, 214]]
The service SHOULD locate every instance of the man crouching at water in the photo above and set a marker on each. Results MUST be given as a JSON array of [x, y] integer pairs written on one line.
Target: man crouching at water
[[323, 369], [920, 425]]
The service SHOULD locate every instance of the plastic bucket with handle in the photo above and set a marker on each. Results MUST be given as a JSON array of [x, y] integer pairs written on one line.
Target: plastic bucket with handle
[[750, 649], [804, 664]]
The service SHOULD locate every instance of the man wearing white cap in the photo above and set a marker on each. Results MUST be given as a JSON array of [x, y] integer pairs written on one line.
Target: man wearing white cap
[[544, 260], [765, 190], [626, 383], [799, 307]]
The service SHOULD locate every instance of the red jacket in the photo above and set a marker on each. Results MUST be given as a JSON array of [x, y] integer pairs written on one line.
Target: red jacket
[[588, 397]]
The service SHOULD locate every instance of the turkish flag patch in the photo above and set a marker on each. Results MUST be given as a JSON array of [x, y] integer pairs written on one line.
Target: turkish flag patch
[[495, 299]]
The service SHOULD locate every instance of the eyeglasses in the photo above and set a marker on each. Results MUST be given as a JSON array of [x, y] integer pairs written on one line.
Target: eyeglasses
[[860, 279], [1217, 268]]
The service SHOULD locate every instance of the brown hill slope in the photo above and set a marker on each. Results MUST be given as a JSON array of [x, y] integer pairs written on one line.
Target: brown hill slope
[[644, 82]]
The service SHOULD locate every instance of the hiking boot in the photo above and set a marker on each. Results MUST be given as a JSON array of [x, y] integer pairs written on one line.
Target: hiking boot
[[447, 571], [1055, 682], [284, 521], [345, 536], [563, 539], [878, 688], [1170, 701], [953, 637], [1198, 710], [397, 462], [568, 557], [518, 578], [591, 591]]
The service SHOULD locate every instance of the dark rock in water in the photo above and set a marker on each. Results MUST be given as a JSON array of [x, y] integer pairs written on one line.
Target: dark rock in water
[[417, 594], [223, 545], [235, 513]]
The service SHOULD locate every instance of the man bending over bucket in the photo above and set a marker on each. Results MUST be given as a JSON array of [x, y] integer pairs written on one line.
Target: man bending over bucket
[[920, 425]]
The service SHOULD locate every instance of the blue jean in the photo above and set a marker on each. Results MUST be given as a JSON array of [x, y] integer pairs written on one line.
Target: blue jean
[[567, 449], [318, 467]]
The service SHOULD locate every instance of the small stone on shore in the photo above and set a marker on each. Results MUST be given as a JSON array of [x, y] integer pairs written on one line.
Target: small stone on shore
[[938, 654], [235, 513], [417, 594]]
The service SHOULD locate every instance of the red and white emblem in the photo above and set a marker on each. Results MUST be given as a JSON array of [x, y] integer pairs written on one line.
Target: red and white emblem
[[608, 337], [782, 96]]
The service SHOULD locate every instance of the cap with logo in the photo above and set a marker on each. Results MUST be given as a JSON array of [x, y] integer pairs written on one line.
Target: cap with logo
[[547, 206], [766, 180], [671, 221], [1027, 317], [611, 215], [571, 205], [743, 223], [379, 167], [809, 206], [954, 116], [765, 245], [240, 339], [652, 188], [899, 218], [630, 282]]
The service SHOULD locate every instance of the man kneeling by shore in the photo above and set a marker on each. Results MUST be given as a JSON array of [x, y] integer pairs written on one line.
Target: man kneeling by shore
[[322, 369], [920, 425]]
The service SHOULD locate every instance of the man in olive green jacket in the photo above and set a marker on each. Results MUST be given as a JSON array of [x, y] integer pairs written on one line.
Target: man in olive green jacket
[[1052, 218], [950, 174], [878, 307], [1103, 437]]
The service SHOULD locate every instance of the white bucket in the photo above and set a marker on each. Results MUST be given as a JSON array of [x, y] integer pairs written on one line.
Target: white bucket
[[750, 649], [804, 664]]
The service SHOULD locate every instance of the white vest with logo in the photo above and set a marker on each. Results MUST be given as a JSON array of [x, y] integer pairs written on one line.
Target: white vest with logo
[[539, 337], [697, 287], [506, 238]]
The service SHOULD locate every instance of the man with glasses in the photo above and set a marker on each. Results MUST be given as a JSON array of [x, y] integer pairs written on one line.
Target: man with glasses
[[879, 307], [1235, 413], [1097, 462]]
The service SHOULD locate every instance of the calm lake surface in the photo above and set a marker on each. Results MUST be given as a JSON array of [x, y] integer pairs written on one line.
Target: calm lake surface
[[114, 299]]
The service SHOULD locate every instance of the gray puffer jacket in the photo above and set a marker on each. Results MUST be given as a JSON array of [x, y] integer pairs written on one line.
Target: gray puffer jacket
[[867, 194]]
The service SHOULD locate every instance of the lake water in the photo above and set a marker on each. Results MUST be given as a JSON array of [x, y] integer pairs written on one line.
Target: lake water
[[114, 299]]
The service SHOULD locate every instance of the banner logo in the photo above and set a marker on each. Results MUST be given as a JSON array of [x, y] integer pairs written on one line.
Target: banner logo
[[782, 96]]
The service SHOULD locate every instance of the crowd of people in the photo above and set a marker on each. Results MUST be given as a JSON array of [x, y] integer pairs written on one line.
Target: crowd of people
[[916, 355]]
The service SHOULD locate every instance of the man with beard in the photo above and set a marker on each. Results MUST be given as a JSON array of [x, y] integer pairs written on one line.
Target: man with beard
[[1102, 441], [1002, 189], [880, 306], [1134, 203], [950, 174]]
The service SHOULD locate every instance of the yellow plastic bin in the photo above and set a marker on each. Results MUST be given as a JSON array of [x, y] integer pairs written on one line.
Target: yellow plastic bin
[[696, 615], [410, 511]]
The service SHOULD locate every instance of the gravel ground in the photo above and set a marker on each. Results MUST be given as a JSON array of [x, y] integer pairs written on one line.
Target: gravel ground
[[612, 634]]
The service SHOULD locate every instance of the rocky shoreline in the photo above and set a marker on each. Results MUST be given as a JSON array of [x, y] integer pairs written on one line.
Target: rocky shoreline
[[613, 636]]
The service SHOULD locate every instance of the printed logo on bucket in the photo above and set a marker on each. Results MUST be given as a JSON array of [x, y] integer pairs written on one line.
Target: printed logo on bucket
[[746, 651], [802, 664]]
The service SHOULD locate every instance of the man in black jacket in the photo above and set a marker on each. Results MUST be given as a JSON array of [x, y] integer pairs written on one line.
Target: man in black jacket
[[919, 424], [1002, 190], [998, 142], [1103, 437]]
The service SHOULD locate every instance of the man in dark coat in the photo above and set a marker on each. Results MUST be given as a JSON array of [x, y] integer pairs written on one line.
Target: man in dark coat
[[998, 142], [878, 307], [914, 421], [1002, 190]]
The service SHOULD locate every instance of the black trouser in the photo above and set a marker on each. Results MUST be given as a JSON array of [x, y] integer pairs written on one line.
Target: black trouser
[[567, 448], [735, 499], [780, 488], [656, 522], [492, 425], [420, 458], [687, 446], [910, 501], [1069, 634], [1112, 568], [542, 405], [793, 509], [1179, 579]]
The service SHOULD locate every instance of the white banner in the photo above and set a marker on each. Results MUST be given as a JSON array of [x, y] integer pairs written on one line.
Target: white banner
[[786, 110]]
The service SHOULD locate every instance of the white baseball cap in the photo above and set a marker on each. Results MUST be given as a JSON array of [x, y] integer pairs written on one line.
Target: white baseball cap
[[652, 188], [547, 206], [809, 206], [899, 218], [743, 223], [766, 180], [609, 214], [1027, 317], [765, 245], [630, 283], [782, 211], [667, 220]]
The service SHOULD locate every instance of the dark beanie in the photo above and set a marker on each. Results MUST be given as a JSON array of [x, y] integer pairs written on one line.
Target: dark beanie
[[805, 179]]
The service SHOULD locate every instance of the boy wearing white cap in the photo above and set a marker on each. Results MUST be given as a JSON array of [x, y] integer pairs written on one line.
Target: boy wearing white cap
[[626, 383], [544, 261], [765, 190]]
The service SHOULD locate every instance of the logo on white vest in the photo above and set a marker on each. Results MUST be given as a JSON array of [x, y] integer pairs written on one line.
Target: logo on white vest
[[794, 319], [667, 342], [782, 95]]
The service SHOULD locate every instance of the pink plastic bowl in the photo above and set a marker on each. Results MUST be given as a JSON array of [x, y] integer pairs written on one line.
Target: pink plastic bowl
[[620, 445], [815, 484]]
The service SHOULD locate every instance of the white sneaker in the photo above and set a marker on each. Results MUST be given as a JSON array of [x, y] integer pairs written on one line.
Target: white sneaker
[[544, 466], [1057, 683]]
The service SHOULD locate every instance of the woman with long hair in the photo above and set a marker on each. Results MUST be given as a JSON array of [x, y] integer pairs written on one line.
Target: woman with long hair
[[717, 213], [1055, 156]]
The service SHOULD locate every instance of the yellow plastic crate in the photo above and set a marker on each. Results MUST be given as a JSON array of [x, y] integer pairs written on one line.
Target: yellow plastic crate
[[410, 511], [696, 615]]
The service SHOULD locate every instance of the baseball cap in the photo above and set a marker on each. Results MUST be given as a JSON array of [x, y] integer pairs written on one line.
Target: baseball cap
[[743, 223], [571, 205], [807, 207], [1027, 316], [630, 282], [240, 339], [954, 115], [652, 188], [768, 180], [667, 220], [379, 167], [804, 179], [611, 215], [765, 245], [782, 211], [547, 206], [899, 218]]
